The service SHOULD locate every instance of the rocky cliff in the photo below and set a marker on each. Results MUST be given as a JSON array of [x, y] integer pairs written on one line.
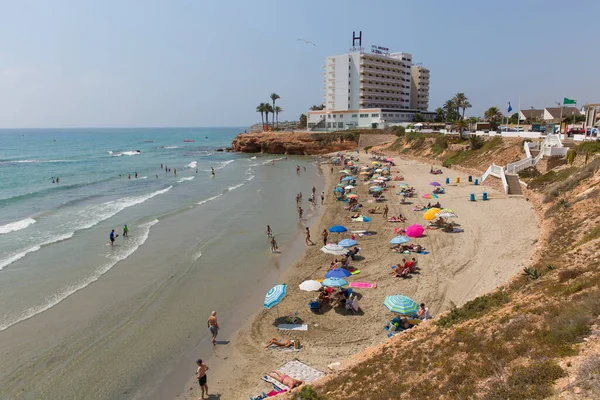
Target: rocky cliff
[[299, 143]]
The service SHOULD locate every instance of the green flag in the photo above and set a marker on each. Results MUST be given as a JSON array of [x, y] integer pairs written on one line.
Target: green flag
[[569, 101]]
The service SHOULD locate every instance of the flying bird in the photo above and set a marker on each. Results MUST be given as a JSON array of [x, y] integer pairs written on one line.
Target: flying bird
[[306, 41]]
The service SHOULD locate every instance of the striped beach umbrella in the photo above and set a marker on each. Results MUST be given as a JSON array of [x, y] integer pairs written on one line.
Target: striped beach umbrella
[[401, 304], [274, 296], [335, 249]]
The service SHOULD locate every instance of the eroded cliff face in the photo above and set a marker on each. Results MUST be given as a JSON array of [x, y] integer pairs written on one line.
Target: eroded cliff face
[[294, 143]]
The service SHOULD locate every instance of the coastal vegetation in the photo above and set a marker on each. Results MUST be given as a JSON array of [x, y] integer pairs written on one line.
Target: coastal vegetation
[[269, 108]]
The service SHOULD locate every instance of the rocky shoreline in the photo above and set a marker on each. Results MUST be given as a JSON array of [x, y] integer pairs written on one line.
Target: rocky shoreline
[[295, 143]]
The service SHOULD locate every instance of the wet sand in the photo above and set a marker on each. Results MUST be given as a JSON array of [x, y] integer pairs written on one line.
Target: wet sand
[[496, 242]]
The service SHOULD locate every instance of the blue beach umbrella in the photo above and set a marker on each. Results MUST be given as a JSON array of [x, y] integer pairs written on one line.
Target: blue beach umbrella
[[347, 243], [399, 240], [274, 296], [334, 282], [338, 189], [375, 189], [338, 228], [348, 178], [337, 273], [401, 304]]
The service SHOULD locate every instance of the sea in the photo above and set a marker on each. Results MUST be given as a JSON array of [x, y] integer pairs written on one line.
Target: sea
[[80, 318]]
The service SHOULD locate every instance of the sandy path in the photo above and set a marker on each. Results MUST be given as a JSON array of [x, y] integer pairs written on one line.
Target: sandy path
[[496, 243]]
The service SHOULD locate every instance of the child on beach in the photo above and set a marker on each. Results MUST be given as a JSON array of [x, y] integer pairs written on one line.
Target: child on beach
[[269, 232]]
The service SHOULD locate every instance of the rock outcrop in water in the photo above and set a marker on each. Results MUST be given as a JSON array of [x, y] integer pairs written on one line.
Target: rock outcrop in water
[[297, 143]]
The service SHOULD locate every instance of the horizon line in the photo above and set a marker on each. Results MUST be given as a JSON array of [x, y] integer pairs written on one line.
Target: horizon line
[[121, 127]]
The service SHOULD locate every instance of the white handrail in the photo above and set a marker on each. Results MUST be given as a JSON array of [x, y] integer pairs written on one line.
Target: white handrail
[[498, 172]]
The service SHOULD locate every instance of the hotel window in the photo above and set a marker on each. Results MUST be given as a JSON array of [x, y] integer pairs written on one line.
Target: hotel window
[[334, 116], [329, 124], [342, 116], [340, 124], [354, 115], [329, 116], [375, 115]]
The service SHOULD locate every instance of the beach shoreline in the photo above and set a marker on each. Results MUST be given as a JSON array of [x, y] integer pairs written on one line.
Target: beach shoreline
[[458, 268]]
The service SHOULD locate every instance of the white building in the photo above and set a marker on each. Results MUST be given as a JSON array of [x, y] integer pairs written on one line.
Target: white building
[[370, 90]]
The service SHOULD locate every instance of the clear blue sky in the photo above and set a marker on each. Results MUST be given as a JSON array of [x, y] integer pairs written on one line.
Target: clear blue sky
[[209, 63]]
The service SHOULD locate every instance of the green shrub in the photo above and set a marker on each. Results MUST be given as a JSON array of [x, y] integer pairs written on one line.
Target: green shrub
[[476, 142], [474, 308], [308, 393], [439, 145]]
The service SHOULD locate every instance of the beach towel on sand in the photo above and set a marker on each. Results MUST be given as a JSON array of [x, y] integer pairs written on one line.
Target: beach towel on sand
[[292, 327], [363, 285], [296, 370]]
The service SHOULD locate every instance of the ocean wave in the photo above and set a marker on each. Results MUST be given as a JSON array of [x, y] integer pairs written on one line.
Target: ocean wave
[[35, 161], [192, 165], [85, 219], [187, 178], [17, 256], [143, 177], [253, 158], [16, 226], [239, 185], [197, 255], [273, 159], [209, 199], [170, 147], [123, 153], [224, 164], [114, 257]]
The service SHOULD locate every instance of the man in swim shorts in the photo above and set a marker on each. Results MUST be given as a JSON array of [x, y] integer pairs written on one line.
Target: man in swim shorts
[[125, 231], [111, 236], [201, 375], [213, 326]]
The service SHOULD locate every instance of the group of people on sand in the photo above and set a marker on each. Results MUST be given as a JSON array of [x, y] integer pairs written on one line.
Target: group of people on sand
[[404, 270]]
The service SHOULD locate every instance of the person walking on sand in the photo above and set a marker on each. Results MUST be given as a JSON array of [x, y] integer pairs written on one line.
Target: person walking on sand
[[324, 234], [201, 375], [314, 190], [213, 326], [125, 231], [274, 246], [300, 212], [307, 238], [322, 197], [385, 212], [269, 232]]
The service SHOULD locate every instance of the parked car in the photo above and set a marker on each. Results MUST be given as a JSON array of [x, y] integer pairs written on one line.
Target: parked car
[[518, 129]]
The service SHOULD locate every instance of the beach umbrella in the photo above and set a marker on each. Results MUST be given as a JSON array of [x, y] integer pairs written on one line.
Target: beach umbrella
[[338, 189], [310, 286], [348, 178], [375, 188], [347, 242], [338, 228], [447, 210], [402, 185], [365, 168], [401, 304], [341, 184], [337, 273], [375, 163], [335, 249], [362, 218], [389, 159], [445, 214], [349, 187], [334, 282], [399, 240], [434, 184], [274, 296], [431, 214], [345, 171], [430, 196], [352, 196], [378, 170], [364, 173], [415, 231]]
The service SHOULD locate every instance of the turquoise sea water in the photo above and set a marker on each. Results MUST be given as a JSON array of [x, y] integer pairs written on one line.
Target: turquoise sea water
[[69, 301]]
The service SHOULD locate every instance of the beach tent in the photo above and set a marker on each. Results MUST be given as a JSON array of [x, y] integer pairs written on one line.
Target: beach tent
[[401, 304]]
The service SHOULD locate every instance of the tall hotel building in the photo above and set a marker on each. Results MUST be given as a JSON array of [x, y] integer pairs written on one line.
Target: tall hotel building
[[371, 90]]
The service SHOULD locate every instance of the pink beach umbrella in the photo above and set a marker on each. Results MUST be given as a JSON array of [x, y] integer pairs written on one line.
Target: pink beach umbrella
[[414, 231]]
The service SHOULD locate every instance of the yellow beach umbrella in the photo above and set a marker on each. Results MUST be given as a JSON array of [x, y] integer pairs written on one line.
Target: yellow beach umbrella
[[430, 214]]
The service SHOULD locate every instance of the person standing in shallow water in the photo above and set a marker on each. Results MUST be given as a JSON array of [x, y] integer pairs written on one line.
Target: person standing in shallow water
[[125, 231], [307, 238], [269, 231], [212, 171]]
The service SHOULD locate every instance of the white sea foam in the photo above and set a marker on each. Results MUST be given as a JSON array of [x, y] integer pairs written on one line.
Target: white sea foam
[[209, 199], [34, 161], [187, 178], [17, 256], [16, 226], [115, 255], [250, 178], [253, 158], [271, 160], [225, 163], [143, 177], [197, 255], [84, 219], [230, 188], [171, 147], [123, 153], [192, 165]]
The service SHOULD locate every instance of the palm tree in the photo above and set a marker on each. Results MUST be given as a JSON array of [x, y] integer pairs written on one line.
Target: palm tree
[[450, 110], [472, 121], [461, 101], [274, 96], [268, 109], [277, 111], [493, 116], [261, 109], [440, 115]]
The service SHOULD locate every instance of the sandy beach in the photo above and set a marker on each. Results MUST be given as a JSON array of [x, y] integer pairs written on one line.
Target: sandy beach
[[495, 243]]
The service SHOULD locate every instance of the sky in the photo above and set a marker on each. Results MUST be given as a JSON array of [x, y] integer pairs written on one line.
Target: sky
[[165, 63]]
